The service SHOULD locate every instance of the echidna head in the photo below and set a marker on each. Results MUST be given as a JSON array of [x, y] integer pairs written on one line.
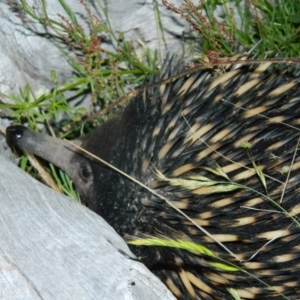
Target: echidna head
[[102, 189], [56, 151]]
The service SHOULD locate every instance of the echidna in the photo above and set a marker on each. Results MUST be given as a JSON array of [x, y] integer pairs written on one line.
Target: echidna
[[220, 147]]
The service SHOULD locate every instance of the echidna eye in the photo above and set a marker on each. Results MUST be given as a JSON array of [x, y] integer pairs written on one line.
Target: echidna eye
[[85, 172]]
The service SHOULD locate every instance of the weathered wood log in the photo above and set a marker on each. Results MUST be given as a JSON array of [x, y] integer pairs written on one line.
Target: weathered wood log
[[54, 248]]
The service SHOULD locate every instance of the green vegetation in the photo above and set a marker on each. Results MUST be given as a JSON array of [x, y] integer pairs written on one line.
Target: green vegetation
[[266, 29]]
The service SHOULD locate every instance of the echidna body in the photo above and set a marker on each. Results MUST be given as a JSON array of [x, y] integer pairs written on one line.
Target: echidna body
[[222, 148]]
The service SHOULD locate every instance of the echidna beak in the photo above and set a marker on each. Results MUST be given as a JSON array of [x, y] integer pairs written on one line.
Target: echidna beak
[[54, 150]]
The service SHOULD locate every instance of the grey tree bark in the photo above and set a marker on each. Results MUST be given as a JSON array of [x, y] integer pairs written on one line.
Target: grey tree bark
[[54, 248]]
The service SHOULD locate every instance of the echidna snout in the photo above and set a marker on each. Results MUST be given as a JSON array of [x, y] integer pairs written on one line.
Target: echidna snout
[[219, 147]]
